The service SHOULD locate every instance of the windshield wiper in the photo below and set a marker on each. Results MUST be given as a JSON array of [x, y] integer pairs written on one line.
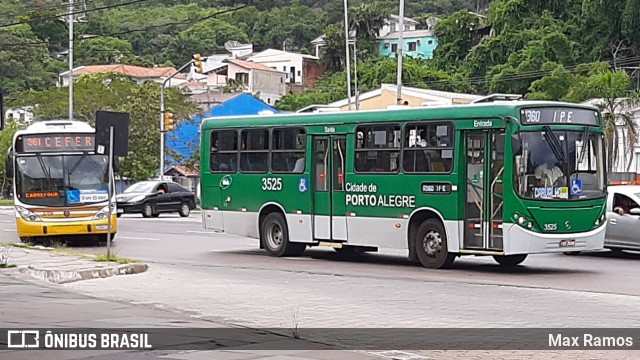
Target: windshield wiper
[[585, 146], [44, 168], [554, 144]]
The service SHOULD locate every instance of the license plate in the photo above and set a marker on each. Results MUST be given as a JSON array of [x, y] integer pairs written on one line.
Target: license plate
[[566, 243]]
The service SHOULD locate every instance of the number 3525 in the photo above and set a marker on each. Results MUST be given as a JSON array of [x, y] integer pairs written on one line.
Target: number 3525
[[271, 184]]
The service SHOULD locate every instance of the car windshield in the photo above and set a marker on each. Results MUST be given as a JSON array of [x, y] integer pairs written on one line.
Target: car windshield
[[141, 187], [558, 165], [62, 180]]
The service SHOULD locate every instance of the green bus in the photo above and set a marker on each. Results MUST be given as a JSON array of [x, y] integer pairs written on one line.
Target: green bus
[[504, 178]]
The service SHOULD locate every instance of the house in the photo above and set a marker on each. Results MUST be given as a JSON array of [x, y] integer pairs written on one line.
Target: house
[[392, 24], [137, 73], [185, 139], [418, 44], [185, 176], [302, 70], [386, 96], [255, 78]]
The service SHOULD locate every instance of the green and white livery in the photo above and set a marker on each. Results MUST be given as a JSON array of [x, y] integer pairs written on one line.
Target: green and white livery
[[505, 179]]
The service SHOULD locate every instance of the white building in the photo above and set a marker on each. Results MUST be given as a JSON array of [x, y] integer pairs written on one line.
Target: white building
[[301, 69]]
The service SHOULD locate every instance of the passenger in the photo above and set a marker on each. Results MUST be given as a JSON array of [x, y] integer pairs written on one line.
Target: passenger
[[623, 208]]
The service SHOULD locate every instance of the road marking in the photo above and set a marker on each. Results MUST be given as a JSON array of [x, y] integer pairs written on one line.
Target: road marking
[[137, 238], [6, 221], [9, 229]]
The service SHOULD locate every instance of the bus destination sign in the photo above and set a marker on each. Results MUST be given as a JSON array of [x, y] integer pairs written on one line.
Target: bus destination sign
[[559, 115], [56, 142], [436, 188]]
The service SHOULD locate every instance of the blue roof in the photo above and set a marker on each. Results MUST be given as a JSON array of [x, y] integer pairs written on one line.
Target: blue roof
[[185, 139]]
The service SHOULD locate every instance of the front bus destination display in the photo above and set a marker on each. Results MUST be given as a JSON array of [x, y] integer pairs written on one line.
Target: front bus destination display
[[503, 179]]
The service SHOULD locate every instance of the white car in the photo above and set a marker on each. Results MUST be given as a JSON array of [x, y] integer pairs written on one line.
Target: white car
[[623, 225]]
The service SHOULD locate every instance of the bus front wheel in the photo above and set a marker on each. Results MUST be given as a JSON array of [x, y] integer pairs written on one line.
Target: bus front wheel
[[431, 245], [509, 260], [275, 237]]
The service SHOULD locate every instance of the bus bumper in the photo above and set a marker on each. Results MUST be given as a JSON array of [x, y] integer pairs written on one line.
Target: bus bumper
[[524, 241], [59, 228]]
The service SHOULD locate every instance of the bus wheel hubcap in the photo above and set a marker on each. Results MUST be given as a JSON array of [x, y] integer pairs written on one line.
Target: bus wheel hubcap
[[432, 243], [274, 236]]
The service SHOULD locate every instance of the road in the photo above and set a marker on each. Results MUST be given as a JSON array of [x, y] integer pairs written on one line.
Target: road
[[173, 240], [227, 279]]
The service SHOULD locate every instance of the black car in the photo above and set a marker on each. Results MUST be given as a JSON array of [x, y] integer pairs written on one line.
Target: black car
[[150, 198]]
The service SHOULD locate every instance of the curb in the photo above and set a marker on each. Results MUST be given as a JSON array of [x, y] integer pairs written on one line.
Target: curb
[[67, 276]]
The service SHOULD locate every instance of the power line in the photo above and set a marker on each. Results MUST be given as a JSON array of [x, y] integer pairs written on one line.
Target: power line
[[55, 17], [43, 8], [183, 22]]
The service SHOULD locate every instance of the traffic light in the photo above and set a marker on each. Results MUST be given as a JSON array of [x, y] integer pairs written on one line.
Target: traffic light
[[169, 121], [197, 62]]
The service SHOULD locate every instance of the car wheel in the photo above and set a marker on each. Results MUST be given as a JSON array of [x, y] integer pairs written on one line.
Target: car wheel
[[431, 245], [509, 260], [184, 210], [119, 215], [156, 214], [275, 237], [147, 210]]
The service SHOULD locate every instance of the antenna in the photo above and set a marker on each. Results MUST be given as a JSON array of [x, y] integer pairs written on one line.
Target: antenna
[[432, 21]]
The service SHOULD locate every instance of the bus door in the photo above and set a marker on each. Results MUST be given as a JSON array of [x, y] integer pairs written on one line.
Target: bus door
[[484, 150], [329, 208]]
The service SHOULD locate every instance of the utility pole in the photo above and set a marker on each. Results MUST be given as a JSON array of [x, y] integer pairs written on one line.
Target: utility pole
[[346, 39], [70, 60], [196, 59], [400, 53]]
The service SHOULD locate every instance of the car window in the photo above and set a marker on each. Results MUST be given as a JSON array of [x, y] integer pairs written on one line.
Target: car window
[[175, 188]]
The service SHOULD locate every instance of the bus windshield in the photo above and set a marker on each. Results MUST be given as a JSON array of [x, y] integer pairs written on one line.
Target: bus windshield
[[559, 165], [62, 180]]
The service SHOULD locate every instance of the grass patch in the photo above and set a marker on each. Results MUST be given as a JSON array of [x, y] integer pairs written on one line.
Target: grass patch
[[119, 260], [7, 266], [6, 202]]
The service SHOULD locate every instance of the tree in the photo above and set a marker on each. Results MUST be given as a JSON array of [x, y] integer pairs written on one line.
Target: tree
[[23, 60], [101, 51], [114, 93], [611, 88]]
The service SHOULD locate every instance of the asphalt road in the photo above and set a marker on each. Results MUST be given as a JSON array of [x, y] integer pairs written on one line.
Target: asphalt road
[[173, 240]]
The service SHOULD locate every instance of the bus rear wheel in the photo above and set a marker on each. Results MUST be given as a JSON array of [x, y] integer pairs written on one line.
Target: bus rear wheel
[[509, 260], [431, 245], [275, 237]]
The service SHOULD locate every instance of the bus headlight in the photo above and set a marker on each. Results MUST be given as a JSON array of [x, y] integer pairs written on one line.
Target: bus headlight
[[102, 214], [27, 214]]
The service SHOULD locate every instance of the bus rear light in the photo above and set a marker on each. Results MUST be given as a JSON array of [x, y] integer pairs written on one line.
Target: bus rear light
[[522, 220]]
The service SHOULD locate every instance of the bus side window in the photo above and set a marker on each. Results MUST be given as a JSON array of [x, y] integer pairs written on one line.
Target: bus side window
[[224, 151], [288, 150], [377, 148], [430, 148]]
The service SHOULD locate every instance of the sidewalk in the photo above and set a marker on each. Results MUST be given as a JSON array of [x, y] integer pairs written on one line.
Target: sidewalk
[[30, 303], [58, 266]]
